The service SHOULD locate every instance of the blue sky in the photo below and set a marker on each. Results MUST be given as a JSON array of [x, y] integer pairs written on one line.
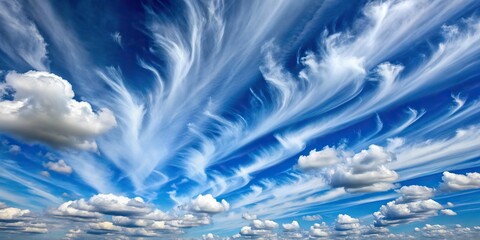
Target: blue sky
[[239, 119]]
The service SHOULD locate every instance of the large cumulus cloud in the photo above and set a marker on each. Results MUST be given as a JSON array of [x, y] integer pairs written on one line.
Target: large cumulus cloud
[[40, 107]]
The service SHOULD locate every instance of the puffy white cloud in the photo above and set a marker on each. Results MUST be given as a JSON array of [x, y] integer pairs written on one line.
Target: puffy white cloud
[[114, 205], [312, 218], [448, 212], [108, 204], [249, 231], [60, 167], [73, 233], [67, 210], [346, 223], [319, 231], [414, 193], [437, 231], [12, 214], [189, 220], [208, 204], [394, 213], [19, 220], [42, 109], [130, 222], [319, 159], [264, 224], [24, 226], [249, 217], [289, 227], [457, 182], [364, 172], [103, 228]]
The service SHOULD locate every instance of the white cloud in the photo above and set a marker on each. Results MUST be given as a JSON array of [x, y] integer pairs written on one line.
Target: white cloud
[[15, 149], [45, 174], [312, 218], [67, 210], [364, 172], [437, 231], [414, 193], [104, 227], [448, 212], [130, 222], [396, 213], [249, 231], [208, 204], [21, 40], [319, 231], [108, 204], [289, 227], [117, 37], [264, 224], [457, 182], [319, 159], [12, 214], [43, 110], [60, 167], [346, 223], [247, 216], [17, 220]]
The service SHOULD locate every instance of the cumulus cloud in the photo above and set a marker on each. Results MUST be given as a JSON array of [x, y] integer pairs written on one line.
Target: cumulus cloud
[[312, 218], [102, 228], [15, 220], [318, 159], [68, 210], [42, 109], [458, 182], [394, 213], [448, 212], [318, 230], [289, 227], [11, 214], [364, 172], [346, 223], [208, 204], [259, 228], [438, 231], [109, 204], [414, 193], [60, 167]]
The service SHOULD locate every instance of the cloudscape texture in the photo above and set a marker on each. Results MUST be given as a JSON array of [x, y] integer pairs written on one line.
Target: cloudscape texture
[[261, 119]]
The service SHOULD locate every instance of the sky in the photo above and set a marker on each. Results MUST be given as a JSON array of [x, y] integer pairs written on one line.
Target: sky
[[259, 119]]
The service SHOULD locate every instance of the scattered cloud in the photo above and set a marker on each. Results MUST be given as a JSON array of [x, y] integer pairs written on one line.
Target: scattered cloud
[[290, 227], [365, 171], [42, 109], [318, 159], [457, 182], [414, 204], [448, 212], [59, 167], [208, 204], [312, 218]]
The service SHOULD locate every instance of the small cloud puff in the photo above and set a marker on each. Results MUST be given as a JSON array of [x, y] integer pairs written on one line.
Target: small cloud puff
[[60, 167], [208, 204]]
